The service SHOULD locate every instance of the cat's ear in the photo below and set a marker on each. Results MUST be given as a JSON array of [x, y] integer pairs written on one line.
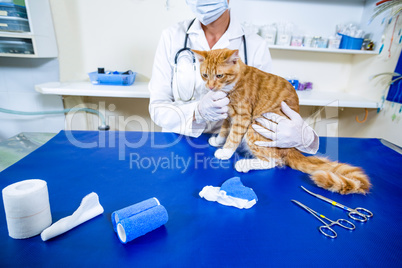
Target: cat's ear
[[232, 56], [200, 55]]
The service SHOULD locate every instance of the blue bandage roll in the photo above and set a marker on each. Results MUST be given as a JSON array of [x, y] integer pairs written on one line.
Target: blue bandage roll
[[132, 210], [141, 223]]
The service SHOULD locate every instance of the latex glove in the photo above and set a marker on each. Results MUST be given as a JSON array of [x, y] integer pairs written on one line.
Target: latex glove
[[212, 107], [286, 133]]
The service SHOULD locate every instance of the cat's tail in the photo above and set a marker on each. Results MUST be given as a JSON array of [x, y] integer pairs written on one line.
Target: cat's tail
[[333, 176]]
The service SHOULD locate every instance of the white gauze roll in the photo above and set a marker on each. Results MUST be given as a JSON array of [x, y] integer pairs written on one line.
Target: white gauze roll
[[27, 208]]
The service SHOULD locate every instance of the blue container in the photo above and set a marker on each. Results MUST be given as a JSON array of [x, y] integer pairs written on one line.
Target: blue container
[[295, 83], [115, 78], [348, 42]]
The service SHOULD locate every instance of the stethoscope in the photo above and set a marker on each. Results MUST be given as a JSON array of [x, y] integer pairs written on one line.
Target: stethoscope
[[185, 48]]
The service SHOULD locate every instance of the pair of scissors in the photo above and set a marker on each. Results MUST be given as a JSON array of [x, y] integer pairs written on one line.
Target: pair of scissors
[[326, 228], [358, 214]]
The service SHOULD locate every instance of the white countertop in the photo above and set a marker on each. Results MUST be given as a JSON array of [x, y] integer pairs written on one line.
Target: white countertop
[[334, 99], [136, 90], [140, 90]]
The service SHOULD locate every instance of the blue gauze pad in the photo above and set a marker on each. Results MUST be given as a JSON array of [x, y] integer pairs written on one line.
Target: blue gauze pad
[[235, 188], [231, 193], [141, 223], [132, 210]]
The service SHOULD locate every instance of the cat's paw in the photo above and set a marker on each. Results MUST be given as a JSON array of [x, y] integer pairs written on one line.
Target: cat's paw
[[224, 154], [217, 141], [245, 165]]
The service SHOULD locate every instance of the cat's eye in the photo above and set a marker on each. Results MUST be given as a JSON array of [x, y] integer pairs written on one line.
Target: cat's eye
[[219, 76], [205, 75]]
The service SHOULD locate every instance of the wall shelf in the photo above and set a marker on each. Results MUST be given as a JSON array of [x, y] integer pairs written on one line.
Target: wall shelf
[[16, 34], [334, 99], [15, 55], [140, 90], [136, 90], [324, 50]]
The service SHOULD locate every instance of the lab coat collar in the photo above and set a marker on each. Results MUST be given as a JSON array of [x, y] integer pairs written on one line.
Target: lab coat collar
[[235, 30], [195, 28]]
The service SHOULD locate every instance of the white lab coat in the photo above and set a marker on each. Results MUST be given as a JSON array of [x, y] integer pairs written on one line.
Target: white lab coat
[[165, 108]]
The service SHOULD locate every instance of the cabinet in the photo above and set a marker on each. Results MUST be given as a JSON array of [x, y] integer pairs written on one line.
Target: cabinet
[[323, 50], [41, 34]]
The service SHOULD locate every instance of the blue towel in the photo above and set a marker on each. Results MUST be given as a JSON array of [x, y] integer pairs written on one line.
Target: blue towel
[[141, 223], [235, 188], [132, 210]]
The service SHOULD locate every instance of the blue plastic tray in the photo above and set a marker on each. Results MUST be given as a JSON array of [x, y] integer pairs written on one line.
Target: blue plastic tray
[[115, 78]]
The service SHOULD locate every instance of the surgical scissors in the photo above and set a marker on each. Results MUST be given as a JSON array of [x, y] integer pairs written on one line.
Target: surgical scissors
[[358, 214], [326, 228]]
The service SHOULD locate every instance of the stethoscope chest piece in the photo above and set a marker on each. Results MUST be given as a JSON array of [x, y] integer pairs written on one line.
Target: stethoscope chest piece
[[184, 77]]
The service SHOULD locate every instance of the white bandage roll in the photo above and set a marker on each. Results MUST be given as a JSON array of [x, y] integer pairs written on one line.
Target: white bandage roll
[[27, 208]]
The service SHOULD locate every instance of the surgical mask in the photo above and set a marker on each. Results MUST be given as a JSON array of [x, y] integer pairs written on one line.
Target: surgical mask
[[207, 11]]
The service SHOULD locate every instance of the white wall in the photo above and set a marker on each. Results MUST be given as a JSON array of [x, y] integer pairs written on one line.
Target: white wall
[[310, 17], [117, 35], [18, 76], [379, 124], [121, 35]]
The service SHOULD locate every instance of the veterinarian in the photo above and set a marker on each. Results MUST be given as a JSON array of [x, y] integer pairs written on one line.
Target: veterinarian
[[179, 100]]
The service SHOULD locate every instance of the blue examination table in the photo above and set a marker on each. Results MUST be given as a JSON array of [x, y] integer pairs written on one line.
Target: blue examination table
[[124, 168]]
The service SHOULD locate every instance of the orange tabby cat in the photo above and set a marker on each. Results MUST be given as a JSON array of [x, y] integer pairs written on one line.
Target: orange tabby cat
[[253, 92]]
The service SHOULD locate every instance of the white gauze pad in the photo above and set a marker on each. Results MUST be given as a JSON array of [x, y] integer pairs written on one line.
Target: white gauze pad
[[88, 209], [27, 208]]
